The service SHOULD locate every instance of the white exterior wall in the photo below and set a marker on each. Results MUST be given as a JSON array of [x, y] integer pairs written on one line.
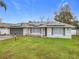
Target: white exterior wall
[[67, 33], [25, 31], [42, 31], [49, 32], [4, 31]]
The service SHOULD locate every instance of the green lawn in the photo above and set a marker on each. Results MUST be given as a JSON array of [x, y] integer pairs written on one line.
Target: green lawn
[[39, 48]]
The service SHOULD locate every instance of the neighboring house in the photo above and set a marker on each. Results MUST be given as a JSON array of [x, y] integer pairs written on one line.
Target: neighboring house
[[77, 31], [48, 29], [74, 31], [4, 29]]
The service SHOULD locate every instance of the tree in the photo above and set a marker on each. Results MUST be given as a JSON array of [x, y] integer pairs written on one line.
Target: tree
[[64, 15], [76, 23], [2, 4]]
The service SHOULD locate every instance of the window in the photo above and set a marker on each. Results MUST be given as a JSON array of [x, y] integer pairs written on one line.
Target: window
[[35, 30], [57, 31]]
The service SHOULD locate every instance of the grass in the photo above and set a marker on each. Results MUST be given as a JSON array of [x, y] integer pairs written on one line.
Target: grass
[[39, 48]]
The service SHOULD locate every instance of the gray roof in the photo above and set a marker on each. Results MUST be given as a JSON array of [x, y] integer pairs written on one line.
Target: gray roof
[[8, 25], [4, 25], [36, 24], [47, 24]]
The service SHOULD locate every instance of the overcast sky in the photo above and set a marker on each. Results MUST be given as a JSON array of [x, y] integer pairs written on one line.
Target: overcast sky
[[25, 10]]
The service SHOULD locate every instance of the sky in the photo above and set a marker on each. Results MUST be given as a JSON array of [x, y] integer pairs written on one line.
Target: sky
[[26, 10]]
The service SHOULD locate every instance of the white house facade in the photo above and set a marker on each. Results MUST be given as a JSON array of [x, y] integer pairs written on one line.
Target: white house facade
[[53, 29], [48, 29]]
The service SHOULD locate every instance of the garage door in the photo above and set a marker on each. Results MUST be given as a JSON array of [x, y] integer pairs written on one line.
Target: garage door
[[18, 31]]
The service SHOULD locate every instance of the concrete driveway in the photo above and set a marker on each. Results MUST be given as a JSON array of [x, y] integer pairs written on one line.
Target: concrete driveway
[[5, 37]]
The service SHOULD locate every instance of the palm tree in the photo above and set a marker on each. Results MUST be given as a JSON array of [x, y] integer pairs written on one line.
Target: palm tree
[[2, 4]]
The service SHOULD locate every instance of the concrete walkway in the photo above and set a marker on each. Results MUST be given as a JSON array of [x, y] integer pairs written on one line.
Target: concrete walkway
[[5, 37]]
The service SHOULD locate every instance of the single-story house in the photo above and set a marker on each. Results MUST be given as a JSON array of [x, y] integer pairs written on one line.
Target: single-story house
[[48, 29]]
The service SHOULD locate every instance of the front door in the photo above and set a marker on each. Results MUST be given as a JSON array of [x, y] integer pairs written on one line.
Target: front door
[[45, 31]]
